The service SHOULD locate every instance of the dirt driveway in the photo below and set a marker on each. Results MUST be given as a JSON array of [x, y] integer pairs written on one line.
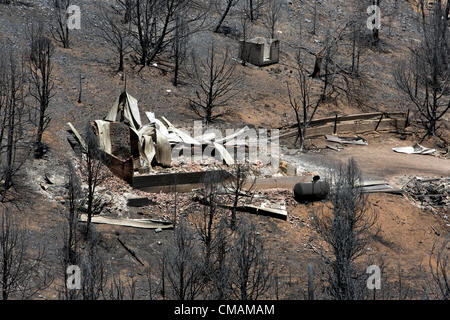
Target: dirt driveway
[[376, 160]]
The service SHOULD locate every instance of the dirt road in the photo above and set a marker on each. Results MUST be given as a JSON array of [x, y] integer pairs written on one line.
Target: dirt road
[[377, 160]]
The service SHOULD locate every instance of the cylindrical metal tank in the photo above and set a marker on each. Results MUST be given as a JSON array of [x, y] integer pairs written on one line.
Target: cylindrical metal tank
[[311, 191]]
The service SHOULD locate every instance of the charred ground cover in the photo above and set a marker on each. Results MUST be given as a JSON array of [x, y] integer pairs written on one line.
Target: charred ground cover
[[330, 64]]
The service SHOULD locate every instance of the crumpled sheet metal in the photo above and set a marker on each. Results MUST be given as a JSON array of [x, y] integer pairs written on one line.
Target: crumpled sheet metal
[[157, 138], [103, 134], [415, 149], [147, 150], [347, 140], [163, 149], [128, 105], [158, 123]]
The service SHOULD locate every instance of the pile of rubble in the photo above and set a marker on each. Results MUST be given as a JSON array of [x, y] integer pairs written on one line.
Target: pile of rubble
[[134, 148], [432, 193]]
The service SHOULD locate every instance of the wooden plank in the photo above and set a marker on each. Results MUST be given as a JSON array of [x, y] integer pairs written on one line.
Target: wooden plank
[[350, 127], [383, 188], [78, 136], [124, 169], [134, 223], [360, 116], [181, 178], [263, 211], [268, 212]]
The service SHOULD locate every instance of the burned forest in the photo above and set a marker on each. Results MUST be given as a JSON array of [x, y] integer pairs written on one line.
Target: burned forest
[[224, 150]]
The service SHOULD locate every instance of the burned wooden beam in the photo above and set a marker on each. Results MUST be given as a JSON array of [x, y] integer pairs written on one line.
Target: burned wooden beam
[[121, 168], [139, 202], [360, 116], [182, 178]]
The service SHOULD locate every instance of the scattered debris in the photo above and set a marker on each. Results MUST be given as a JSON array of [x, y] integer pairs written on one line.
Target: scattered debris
[[347, 140], [436, 231], [430, 192], [335, 148], [415, 149], [131, 146]]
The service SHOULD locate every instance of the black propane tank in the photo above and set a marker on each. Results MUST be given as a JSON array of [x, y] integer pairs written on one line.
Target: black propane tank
[[311, 191]]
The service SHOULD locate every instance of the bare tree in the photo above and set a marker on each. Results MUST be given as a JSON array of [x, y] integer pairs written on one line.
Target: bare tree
[[244, 21], [121, 291], [249, 264], [180, 44], [314, 17], [128, 7], [439, 286], [15, 133], [22, 274], [305, 103], [155, 26], [94, 274], [182, 264], [115, 34], [239, 187], [346, 227], [41, 69], [70, 253], [215, 84], [94, 174], [425, 78], [253, 8], [220, 273], [60, 28], [229, 4], [207, 223], [271, 16], [357, 25]]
